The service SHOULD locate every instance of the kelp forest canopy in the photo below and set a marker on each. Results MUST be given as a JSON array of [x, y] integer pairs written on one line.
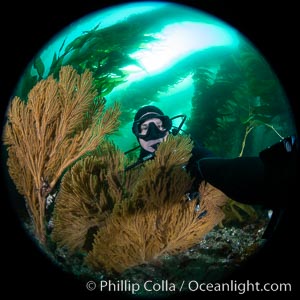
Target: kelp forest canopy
[[237, 101], [243, 95], [103, 51]]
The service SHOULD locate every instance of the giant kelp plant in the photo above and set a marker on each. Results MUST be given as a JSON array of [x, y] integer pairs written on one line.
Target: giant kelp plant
[[123, 219], [241, 97], [240, 101], [59, 123], [104, 51]]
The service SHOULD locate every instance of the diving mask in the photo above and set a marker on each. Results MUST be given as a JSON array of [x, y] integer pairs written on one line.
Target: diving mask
[[151, 131]]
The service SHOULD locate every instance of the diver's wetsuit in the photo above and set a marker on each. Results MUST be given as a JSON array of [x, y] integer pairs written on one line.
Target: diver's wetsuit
[[198, 152], [269, 180], [256, 180]]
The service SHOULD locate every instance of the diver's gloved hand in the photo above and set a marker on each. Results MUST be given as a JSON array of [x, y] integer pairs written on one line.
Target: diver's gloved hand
[[192, 196], [195, 196], [282, 151], [281, 168]]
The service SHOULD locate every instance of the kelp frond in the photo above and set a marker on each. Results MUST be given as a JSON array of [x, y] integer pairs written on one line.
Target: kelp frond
[[241, 212]]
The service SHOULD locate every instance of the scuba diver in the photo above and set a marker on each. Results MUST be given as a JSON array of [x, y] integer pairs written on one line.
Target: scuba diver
[[151, 127], [264, 180]]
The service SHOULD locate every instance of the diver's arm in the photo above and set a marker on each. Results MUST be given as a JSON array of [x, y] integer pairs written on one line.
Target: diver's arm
[[241, 178], [267, 179]]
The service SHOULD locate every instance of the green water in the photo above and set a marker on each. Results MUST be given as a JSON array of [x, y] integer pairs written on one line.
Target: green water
[[180, 59]]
